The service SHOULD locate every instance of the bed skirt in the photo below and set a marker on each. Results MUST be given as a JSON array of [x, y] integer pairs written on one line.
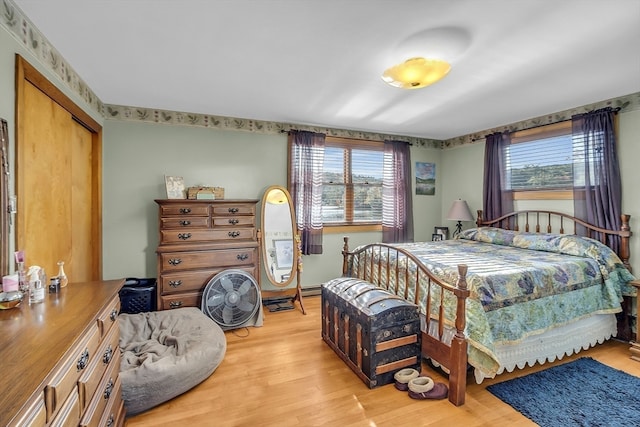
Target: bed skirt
[[546, 347]]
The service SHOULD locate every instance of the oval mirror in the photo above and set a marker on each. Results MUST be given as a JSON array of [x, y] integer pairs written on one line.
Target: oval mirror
[[279, 248]]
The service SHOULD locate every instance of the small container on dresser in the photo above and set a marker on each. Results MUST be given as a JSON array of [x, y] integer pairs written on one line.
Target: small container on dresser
[[198, 239]]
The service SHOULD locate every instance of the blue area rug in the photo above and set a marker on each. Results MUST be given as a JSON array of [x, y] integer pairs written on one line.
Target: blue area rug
[[580, 393]]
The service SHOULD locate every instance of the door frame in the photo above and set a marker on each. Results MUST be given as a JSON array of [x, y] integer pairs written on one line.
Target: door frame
[[25, 72]]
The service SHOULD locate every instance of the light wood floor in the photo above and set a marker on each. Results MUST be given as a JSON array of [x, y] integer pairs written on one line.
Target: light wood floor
[[283, 374]]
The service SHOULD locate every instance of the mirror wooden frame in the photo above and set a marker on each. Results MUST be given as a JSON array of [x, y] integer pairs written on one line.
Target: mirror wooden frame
[[285, 252]]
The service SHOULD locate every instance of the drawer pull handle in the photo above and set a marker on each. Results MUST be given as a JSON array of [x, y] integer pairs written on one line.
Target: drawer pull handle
[[242, 257], [175, 304], [108, 389], [234, 234], [185, 210], [83, 360], [108, 355], [110, 421], [175, 283], [184, 236], [185, 223], [234, 221], [175, 261], [114, 315], [233, 210]]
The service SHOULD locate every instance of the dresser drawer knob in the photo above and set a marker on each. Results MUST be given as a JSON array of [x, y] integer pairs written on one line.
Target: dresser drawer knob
[[242, 257], [185, 210], [184, 223], [175, 283], [175, 261], [234, 234], [233, 210], [83, 360], [175, 304], [114, 315], [108, 389], [234, 221], [184, 236], [108, 355], [110, 421]]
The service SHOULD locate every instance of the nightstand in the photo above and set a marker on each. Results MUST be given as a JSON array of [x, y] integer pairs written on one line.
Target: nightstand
[[635, 345]]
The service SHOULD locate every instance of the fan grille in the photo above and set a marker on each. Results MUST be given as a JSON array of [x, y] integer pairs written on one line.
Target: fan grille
[[231, 298]]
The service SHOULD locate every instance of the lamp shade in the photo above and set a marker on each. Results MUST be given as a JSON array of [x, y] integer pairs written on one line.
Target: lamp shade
[[460, 211]]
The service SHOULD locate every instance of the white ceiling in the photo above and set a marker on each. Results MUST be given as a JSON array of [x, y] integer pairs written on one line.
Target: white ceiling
[[318, 62]]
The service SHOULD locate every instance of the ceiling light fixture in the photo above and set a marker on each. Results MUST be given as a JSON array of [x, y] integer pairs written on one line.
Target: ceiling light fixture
[[415, 73]]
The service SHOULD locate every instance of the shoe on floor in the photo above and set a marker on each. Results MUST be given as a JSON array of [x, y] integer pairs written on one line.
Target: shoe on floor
[[426, 388], [403, 376]]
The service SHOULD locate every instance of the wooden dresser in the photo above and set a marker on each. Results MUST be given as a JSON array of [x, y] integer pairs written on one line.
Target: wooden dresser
[[60, 359], [198, 239]]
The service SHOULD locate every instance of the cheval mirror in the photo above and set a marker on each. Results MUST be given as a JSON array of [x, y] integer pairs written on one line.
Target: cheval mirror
[[280, 250]]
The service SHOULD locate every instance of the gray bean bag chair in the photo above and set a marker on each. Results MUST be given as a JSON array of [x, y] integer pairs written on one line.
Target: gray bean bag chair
[[165, 353]]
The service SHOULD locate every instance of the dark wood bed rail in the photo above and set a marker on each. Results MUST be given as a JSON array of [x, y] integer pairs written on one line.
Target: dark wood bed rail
[[513, 220], [361, 264]]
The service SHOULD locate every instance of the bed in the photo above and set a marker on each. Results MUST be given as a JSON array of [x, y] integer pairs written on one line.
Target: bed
[[508, 293]]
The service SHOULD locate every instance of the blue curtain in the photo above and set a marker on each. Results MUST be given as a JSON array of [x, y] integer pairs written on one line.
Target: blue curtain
[[597, 184], [397, 203], [497, 195], [306, 151]]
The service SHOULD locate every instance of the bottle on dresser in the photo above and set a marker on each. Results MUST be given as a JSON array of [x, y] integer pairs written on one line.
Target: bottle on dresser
[[36, 287]]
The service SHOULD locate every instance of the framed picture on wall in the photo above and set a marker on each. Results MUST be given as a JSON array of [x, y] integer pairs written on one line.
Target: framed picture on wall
[[442, 231]]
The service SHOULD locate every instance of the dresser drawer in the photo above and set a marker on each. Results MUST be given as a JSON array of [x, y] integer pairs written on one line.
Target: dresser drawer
[[190, 299], [175, 261], [190, 281], [114, 412], [66, 377], [234, 221], [109, 316], [234, 209], [108, 353], [200, 235], [108, 391], [34, 416], [69, 414], [182, 223], [185, 210]]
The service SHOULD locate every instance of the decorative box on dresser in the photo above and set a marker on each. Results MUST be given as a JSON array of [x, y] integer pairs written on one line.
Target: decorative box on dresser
[[198, 239], [61, 360]]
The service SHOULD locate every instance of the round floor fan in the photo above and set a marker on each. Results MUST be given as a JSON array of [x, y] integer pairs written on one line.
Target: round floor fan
[[232, 300]]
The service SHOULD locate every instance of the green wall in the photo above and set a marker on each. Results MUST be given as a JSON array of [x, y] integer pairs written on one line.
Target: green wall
[[137, 155]]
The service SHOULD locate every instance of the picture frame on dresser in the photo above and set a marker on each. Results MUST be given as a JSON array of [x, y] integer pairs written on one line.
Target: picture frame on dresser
[[174, 186], [442, 231]]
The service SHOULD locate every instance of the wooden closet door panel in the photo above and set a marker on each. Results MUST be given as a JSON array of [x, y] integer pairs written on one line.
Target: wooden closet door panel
[[45, 204], [79, 265]]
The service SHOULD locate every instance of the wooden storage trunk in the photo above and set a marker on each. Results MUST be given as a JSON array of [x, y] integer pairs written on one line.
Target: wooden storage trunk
[[373, 331]]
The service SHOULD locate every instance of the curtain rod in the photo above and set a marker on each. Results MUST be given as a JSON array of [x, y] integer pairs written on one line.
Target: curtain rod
[[615, 110], [345, 137]]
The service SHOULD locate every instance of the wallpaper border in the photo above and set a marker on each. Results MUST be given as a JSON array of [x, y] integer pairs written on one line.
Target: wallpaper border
[[25, 32]]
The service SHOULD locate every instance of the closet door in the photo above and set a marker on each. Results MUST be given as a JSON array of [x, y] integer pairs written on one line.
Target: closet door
[[58, 195]]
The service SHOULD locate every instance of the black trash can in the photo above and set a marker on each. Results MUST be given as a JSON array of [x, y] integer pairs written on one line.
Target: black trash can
[[138, 295]]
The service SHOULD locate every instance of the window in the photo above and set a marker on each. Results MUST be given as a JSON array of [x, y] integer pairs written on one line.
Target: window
[[539, 162], [352, 182]]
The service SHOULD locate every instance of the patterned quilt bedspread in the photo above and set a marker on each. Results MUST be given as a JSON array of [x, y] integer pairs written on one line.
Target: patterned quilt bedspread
[[522, 284]]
